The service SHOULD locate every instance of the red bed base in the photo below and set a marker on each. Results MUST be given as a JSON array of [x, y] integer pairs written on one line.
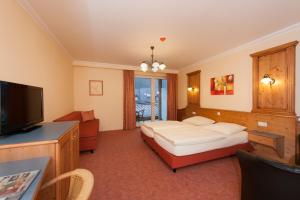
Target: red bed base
[[181, 161]]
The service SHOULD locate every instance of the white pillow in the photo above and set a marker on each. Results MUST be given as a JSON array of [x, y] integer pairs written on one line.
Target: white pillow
[[225, 128], [198, 121]]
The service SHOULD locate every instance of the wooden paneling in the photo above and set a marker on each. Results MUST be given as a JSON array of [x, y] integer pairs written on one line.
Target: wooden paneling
[[193, 80], [279, 63], [277, 124]]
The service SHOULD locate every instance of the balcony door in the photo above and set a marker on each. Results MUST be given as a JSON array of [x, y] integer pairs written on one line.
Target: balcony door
[[151, 98]]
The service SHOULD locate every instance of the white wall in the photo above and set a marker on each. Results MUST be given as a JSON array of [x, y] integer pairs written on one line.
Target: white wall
[[238, 62], [29, 55], [109, 107]]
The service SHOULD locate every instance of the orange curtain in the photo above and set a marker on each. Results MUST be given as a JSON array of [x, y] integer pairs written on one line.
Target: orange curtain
[[129, 117], [172, 97]]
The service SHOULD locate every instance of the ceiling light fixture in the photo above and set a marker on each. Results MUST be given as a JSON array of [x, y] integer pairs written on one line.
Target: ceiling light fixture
[[155, 65]]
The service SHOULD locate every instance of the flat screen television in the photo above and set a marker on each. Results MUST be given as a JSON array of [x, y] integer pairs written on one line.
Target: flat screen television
[[21, 107]]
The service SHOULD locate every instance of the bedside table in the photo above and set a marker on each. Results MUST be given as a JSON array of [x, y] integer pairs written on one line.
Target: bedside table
[[272, 140]]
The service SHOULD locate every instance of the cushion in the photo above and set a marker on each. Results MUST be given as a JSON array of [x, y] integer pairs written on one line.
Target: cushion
[[225, 128], [87, 115], [198, 121]]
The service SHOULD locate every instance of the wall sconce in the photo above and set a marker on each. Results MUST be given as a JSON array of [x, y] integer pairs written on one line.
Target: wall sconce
[[192, 89], [267, 80]]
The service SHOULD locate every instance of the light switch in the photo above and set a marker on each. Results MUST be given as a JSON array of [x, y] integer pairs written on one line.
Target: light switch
[[262, 124], [194, 113]]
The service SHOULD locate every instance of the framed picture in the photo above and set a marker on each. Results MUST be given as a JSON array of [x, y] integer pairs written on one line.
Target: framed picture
[[223, 85], [96, 88]]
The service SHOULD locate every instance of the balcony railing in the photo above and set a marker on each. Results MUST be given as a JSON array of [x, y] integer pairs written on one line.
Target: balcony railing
[[146, 107]]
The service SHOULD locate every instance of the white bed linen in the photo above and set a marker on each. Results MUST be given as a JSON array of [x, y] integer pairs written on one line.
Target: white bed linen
[[186, 135], [183, 150], [149, 128], [161, 124]]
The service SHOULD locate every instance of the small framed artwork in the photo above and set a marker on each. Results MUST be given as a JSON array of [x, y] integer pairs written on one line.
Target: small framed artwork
[[96, 88], [223, 85]]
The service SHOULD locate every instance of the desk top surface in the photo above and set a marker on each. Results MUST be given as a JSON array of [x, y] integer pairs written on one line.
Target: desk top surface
[[48, 131], [19, 166]]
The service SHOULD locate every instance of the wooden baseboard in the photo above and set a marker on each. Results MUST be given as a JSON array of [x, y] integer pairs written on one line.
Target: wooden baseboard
[[110, 131]]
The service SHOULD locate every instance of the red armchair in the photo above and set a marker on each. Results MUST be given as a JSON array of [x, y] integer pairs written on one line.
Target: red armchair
[[87, 130]]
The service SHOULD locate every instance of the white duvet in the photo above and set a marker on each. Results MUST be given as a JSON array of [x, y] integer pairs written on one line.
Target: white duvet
[[187, 135], [155, 125]]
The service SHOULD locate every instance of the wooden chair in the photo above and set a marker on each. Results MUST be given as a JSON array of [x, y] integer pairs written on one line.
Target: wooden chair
[[81, 184]]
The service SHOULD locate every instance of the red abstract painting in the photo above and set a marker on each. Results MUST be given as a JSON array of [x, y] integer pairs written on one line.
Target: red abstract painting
[[223, 85]]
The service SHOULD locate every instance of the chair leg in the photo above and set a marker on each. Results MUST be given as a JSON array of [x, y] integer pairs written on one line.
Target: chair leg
[[92, 151], [174, 170]]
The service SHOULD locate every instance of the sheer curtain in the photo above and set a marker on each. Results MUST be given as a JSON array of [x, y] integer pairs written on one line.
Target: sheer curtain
[[129, 116], [172, 97]]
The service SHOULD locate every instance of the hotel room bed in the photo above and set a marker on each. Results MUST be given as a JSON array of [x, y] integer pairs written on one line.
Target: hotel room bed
[[178, 146]]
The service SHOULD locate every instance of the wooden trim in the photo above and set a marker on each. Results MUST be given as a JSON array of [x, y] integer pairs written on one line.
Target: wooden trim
[[255, 81], [8, 146], [274, 49], [111, 131], [194, 72]]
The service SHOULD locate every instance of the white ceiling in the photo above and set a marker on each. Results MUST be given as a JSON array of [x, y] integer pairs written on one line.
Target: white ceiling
[[121, 31]]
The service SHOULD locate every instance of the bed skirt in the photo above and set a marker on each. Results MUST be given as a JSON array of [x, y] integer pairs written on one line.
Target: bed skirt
[[176, 162]]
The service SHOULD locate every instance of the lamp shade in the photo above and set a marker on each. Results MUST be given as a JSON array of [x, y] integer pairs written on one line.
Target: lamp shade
[[267, 80], [162, 66], [155, 64], [144, 66], [154, 69]]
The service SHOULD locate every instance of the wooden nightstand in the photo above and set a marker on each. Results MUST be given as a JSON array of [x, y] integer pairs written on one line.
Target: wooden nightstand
[[268, 139]]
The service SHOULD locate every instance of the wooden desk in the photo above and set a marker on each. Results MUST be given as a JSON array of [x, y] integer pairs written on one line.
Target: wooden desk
[[269, 139], [58, 140], [14, 167]]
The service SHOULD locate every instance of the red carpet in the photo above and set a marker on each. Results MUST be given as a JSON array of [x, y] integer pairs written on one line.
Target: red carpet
[[126, 168]]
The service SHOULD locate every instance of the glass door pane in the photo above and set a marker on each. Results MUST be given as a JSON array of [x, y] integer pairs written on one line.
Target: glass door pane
[[143, 99], [151, 99], [160, 105]]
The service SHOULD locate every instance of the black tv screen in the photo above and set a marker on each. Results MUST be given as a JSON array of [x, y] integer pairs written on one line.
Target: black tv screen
[[21, 107]]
